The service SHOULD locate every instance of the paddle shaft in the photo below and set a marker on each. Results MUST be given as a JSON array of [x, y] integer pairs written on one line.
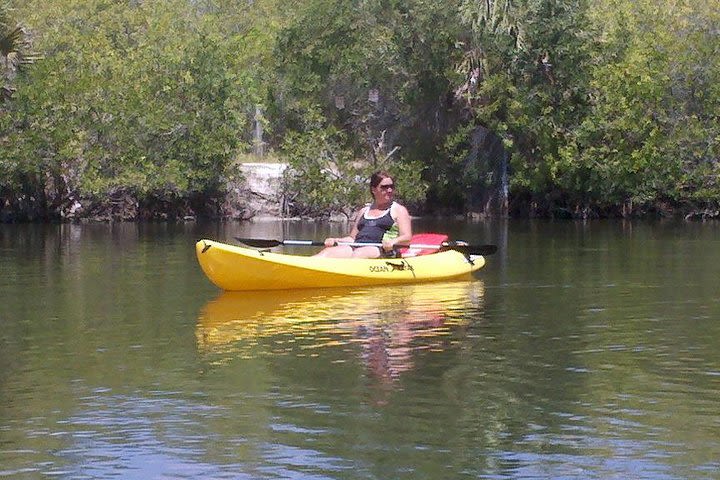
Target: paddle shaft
[[470, 249], [356, 244]]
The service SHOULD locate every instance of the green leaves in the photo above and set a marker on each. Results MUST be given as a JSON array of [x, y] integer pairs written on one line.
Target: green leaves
[[649, 135], [15, 52], [597, 104], [373, 74], [601, 104], [138, 98], [325, 177]]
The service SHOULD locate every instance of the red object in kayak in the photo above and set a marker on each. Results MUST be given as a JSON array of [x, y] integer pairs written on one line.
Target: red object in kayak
[[423, 239]]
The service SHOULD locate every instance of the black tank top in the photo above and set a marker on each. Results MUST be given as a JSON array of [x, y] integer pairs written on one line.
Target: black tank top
[[371, 230]]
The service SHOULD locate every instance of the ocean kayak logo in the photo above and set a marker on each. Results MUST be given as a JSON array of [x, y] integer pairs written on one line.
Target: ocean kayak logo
[[403, 266]]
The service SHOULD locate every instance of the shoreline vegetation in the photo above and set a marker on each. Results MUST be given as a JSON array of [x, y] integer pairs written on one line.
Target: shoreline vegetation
[[532, 108]]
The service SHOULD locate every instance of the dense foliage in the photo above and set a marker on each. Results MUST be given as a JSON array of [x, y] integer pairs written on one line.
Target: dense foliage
[[139, 101], [651, 138], [575, 108]]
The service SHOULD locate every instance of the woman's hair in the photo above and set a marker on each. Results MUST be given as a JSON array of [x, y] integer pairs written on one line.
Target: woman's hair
[[378, 177]]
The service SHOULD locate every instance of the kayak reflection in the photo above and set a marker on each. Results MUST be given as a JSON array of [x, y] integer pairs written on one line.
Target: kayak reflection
[[387, 323]]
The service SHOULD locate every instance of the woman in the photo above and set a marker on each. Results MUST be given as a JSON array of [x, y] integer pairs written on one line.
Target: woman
[[383, 221]]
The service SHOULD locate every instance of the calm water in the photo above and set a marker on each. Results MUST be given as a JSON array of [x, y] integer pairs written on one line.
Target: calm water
[[581, 351]]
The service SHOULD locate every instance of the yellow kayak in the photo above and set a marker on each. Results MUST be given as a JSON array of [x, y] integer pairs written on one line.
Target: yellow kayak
[[235, 268]]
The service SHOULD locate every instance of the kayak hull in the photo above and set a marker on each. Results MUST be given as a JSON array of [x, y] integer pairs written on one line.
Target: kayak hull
[[234, 268]]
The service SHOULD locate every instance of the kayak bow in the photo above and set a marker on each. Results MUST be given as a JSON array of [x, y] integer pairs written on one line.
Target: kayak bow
[[236, 268]]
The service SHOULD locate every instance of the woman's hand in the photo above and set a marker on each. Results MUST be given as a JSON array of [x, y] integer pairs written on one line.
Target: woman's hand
[[388, 245], [330, 242]]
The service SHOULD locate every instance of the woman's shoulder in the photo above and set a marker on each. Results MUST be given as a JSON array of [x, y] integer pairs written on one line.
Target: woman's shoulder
[[398, 209], [360, 212]]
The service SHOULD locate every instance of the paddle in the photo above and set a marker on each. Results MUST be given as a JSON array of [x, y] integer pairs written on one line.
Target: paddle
[[460, 246]]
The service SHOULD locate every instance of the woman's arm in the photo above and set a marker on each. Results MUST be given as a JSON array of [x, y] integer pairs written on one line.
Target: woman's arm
[[331, 241], [402, 218]]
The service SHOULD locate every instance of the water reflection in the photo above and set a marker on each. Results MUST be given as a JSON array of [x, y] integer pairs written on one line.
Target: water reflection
[[383, 325]]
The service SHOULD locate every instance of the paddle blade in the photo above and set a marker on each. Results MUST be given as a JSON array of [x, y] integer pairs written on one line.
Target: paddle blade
[[472, 249], [259, 242], [481, 249]]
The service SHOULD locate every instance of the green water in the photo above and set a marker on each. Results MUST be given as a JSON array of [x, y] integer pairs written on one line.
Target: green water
[[582, 350]]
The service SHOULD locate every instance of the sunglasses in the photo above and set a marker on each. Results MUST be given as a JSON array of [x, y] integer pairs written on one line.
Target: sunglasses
[[387, 186]]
